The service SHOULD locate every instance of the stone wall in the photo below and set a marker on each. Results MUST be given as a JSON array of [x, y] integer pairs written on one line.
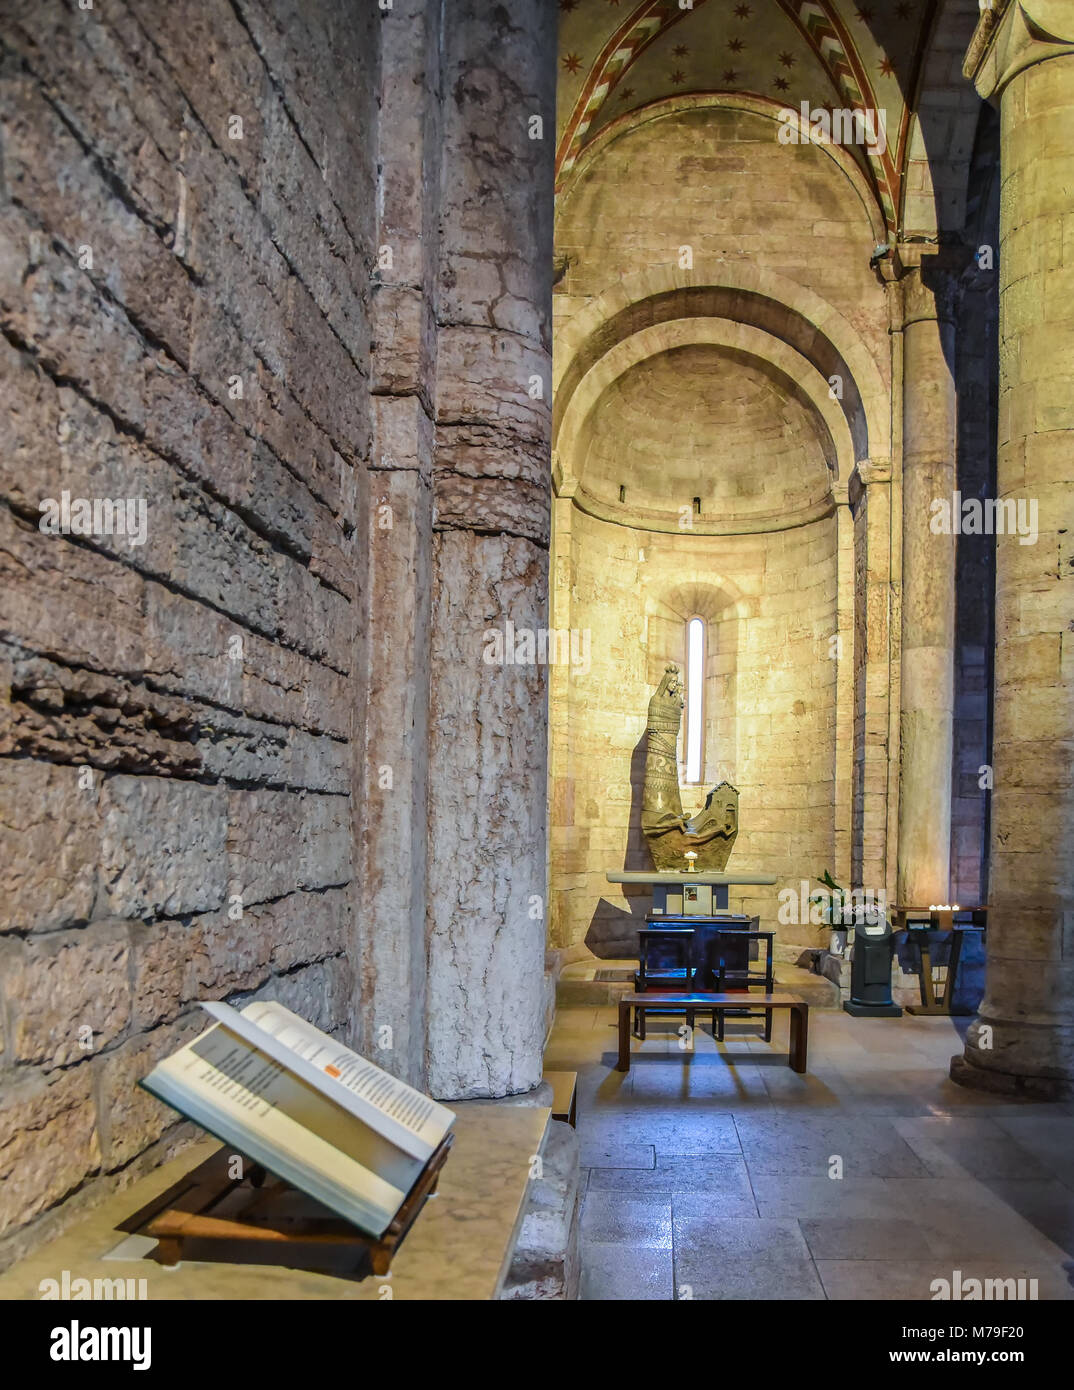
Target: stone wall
[[184, 307], [280, 275]]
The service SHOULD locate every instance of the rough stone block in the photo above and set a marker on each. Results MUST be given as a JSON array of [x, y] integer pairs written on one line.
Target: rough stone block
[[67, 994], [49, 1143], [49, 846], [163, 847]]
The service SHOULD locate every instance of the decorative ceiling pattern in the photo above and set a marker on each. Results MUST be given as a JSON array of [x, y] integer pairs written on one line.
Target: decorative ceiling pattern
[[617, 58]]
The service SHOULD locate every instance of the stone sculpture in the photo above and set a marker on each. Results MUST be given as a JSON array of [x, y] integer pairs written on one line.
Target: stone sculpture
[[711, 833]]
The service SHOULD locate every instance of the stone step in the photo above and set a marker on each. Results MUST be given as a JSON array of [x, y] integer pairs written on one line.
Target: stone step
[[603, 982]]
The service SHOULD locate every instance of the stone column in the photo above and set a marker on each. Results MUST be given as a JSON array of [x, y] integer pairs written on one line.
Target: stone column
[[393, 785], [1022, 57], [487, 871], [928, 590], [870, 498]]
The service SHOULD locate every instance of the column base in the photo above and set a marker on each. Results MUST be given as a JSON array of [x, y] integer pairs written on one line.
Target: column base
[[1005, 1083], [872, 1010]]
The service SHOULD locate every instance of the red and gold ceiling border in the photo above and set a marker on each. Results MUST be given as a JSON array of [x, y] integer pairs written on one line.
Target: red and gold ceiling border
[[830, 41], [651, 19]]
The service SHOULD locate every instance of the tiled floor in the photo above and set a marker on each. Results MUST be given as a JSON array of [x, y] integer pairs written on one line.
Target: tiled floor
[[717, 1172]]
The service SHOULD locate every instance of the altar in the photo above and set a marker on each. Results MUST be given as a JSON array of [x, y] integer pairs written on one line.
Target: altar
[[689, 893], [687, 931]]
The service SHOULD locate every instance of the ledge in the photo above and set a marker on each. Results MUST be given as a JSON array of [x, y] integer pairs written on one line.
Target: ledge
[[459, 1248]]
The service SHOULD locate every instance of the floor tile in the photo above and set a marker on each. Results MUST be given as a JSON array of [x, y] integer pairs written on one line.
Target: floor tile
[[627, 1218], [720, 1257], [953, 1145], [722, 1176], [605, 1155], [625, 1273], [867, 1146], [859, 1280]]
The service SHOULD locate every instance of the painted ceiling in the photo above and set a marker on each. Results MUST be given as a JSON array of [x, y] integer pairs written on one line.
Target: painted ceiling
[[616, 56]]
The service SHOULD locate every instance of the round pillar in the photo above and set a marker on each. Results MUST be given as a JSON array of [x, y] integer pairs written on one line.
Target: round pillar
[[1023, 1037], [928, 592]]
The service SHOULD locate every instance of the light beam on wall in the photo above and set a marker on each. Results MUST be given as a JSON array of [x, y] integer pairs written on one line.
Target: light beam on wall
[[695, 685]]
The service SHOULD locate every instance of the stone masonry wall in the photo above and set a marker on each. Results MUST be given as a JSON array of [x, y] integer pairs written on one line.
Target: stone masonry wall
[[185, 252]]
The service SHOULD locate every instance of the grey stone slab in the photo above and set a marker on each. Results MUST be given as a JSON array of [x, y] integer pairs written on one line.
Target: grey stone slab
[[604, 1155], [887, 1280], [721, 1175], [688, 1130], [792, 1195], [951, 1145], [627, 1218], [875, 1092], [865, 1238], [1049, 1138], [677, 1078], [720, 1257], [1047, 1206], [805, 1144], [939, 1095], [625, 1274]]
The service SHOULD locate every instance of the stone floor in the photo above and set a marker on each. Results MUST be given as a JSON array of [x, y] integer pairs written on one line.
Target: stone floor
[[711, 1174]]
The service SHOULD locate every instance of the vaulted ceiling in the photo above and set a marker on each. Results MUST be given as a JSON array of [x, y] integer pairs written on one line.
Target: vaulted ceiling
[[618, 56]]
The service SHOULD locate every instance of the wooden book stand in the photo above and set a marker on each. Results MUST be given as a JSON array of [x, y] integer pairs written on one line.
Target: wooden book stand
[[257, 1215]]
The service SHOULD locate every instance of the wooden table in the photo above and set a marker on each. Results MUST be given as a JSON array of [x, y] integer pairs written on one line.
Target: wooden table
[[658, 1002]]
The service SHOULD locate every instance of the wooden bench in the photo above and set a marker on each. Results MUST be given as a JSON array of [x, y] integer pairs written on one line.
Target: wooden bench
[[716, 1004]]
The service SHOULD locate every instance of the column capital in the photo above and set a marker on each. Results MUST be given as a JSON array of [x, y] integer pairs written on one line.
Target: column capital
[[1011, 36], [928, 281], [867, 471]]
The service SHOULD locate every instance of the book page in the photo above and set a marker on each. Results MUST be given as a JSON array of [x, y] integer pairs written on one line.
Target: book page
[[425, 1119], [247, 1098]]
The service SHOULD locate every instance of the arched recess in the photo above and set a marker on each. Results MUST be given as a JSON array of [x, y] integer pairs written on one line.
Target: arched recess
[[765, 107], [720, 602], [795, 374], [761, 299]]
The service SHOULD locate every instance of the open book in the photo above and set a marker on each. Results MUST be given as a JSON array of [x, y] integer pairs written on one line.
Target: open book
[[306, 1108]]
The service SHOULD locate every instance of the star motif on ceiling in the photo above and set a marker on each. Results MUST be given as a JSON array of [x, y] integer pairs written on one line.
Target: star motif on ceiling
[[626, 93], [903, 10], [572, 62], [677, 76], [742, 11], [780, 83], [680, 50], [787, 60], [886, 67], [568, 5], [865, 14], [736, 45], [730, 75]]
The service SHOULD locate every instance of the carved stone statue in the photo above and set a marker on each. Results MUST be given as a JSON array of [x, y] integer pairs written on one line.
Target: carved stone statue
[[711, 833]]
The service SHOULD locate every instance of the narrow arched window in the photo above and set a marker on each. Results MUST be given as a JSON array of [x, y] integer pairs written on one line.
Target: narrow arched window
[[693, 747]]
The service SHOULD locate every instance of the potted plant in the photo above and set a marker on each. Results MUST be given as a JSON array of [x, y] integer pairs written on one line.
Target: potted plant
[[832, 919]]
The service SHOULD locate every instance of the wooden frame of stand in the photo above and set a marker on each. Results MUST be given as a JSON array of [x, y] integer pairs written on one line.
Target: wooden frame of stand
[[189, 1217]]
